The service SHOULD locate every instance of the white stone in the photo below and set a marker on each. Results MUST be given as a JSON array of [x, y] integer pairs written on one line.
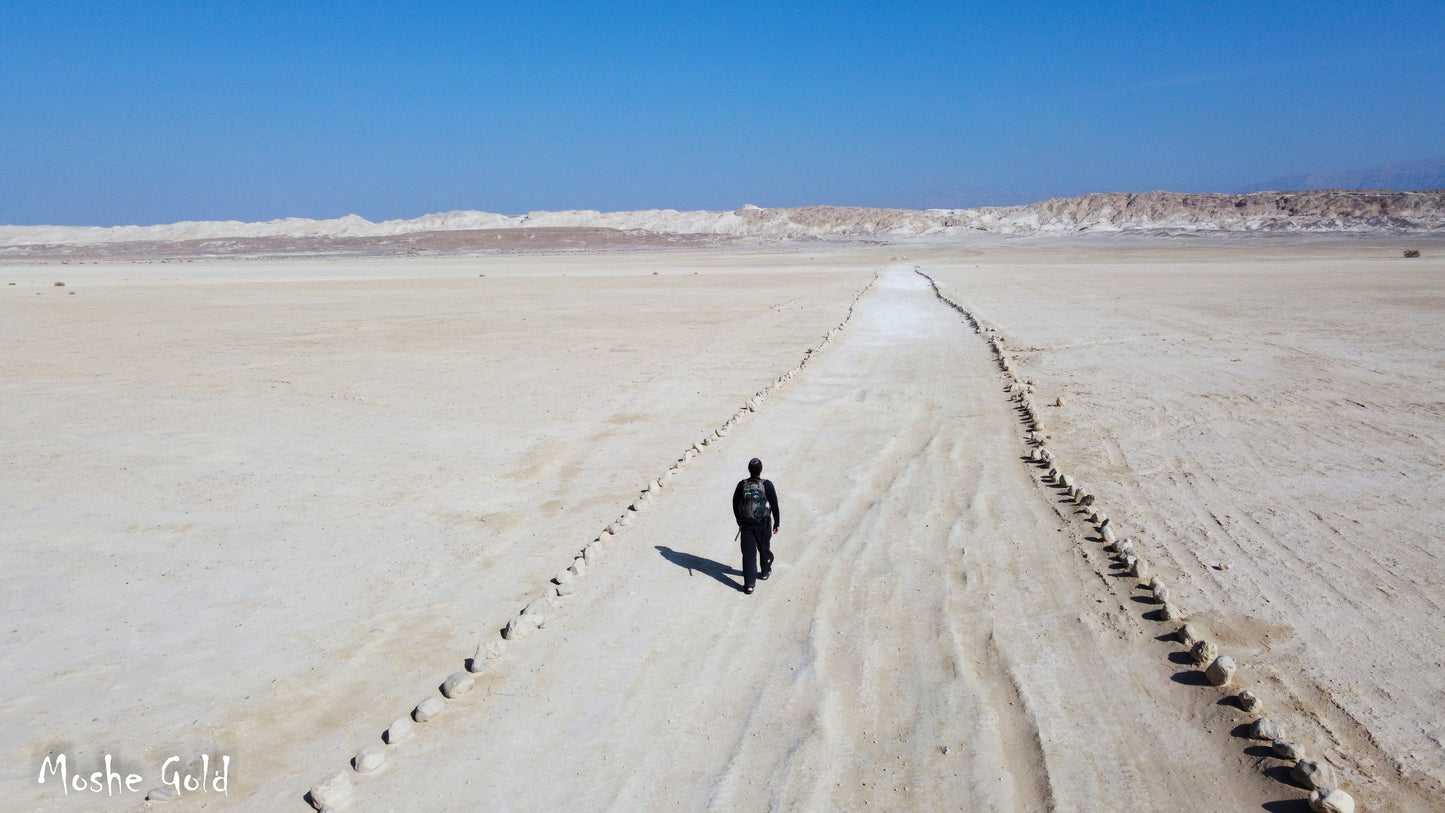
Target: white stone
[[1170, 612], [565, 576], [1221, 671], [478, 662], [1161, 594], [1288, 750], [1205, 652], [566, 589], [1266, 729], [1107, 532], [1140, 569], [400, 730], [1314, 775], [428, 708], [334, 792], [1086, 500], [654, 486], [369, 758], [579, 566], [1188, 635], [592, 553], [1250, 702], [1066, 481], [496, 649], [519, 627], [1331, 800], [458, 684]]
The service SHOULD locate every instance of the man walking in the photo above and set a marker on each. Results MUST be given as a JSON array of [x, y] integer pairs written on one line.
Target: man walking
[[755, 507]]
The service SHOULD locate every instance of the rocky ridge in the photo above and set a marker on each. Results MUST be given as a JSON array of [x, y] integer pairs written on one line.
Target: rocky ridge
[[1331, 211]]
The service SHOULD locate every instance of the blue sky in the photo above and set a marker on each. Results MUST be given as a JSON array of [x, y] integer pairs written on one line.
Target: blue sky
[[119, 112]]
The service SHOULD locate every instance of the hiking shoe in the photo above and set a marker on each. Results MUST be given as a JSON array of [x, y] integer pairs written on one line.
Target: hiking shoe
[[765, 574]]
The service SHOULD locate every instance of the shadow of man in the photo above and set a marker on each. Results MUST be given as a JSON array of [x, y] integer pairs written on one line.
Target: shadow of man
[[707, 567]]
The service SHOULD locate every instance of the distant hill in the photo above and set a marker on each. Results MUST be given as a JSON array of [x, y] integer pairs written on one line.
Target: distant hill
[[1337, 211], [1407, 177]]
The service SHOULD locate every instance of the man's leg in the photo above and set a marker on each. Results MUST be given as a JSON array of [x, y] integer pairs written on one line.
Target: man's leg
[[765, 549], [750, 556]]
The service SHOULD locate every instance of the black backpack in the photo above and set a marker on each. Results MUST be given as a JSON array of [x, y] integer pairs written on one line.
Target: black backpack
[[755, 508]]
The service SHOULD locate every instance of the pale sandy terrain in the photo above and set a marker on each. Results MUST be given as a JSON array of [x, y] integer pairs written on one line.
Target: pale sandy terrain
[[264, 508], [1268, 419]]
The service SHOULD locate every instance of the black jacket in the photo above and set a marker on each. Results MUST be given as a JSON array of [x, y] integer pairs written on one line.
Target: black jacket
[[772, 501]]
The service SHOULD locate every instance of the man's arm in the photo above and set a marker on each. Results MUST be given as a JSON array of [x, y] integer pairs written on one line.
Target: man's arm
[[738, 503], [773, 501]]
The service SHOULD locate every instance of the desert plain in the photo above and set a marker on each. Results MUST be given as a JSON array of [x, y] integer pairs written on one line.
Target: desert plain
[[262, 508]]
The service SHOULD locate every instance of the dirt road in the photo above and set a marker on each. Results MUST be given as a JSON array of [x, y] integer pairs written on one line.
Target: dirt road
[[940, 632]]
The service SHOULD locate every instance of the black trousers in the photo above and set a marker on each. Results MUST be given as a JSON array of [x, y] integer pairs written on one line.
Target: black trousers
[[756, 542]]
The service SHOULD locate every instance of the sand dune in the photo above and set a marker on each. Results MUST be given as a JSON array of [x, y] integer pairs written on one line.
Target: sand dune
[[265, 509]]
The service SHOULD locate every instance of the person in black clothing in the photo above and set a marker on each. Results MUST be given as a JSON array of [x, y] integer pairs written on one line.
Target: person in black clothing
[[755, 507]]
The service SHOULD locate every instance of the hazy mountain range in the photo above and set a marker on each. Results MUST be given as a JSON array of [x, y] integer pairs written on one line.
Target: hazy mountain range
[[1406, 177]]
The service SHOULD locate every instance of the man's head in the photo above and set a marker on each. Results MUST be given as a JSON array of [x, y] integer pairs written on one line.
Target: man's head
[[755, 467]]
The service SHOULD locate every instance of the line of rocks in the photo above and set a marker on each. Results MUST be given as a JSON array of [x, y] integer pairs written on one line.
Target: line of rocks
[[1220, 670], [337, 792]]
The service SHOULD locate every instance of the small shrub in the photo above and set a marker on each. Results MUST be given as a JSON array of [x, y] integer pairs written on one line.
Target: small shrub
[[60, 285], [1412, 252]]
